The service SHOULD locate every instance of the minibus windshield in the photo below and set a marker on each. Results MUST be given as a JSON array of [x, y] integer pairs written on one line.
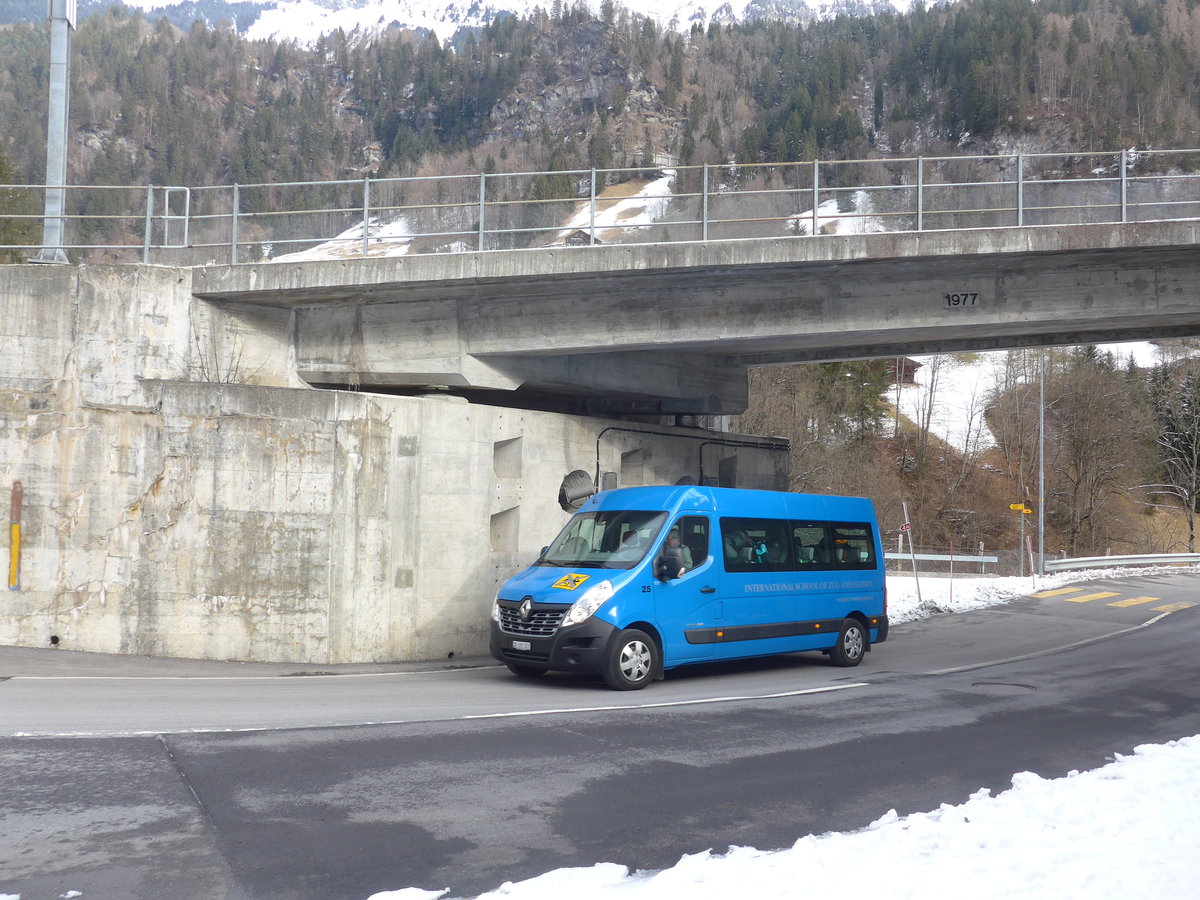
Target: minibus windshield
[[608, 539]]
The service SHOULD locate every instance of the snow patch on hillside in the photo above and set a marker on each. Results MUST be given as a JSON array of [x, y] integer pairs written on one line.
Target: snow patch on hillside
[[633, 214], [384, 239], [860, 218], [952, 391]]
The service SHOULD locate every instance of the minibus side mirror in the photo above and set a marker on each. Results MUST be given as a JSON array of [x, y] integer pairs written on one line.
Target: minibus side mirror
[[668, 564]]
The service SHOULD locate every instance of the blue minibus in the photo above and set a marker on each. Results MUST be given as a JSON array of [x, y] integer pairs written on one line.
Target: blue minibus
[[645, 579]]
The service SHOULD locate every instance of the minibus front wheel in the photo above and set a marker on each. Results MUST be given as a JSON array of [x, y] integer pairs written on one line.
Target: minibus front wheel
[[851, 644], [632, 660]]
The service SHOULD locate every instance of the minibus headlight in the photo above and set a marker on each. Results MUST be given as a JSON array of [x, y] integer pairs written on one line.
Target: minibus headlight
[[496, 610], [593, 598]]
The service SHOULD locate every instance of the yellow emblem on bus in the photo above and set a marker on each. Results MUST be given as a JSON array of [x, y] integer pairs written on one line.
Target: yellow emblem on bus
[[571, 581]]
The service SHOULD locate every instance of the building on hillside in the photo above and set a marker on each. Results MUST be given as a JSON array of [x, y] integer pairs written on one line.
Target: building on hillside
[[579, 238], [902, 369]]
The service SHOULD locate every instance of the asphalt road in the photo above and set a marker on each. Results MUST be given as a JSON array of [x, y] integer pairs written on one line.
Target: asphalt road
[[159, 779]]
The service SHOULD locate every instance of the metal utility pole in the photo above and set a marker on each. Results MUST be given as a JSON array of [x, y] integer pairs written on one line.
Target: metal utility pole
[[1041, 566], [62, 21]]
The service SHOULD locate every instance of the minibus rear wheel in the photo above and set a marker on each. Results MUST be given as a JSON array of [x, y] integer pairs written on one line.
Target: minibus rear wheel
[[632, 661], [851, 644]]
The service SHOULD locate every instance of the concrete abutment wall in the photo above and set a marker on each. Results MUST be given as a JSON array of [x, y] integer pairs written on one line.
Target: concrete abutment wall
[[186, 495]]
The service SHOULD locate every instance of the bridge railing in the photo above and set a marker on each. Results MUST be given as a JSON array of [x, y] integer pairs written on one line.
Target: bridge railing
[[941, 561], [1138, 559], [645, 205]]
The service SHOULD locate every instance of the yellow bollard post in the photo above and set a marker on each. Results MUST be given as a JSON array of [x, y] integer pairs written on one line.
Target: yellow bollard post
[[14, 537]]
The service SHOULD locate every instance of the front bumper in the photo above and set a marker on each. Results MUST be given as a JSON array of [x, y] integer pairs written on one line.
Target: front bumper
[[579, 648]]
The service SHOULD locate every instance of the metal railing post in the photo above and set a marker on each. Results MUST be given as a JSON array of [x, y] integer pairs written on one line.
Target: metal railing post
[[1124, 187], [482, 203], [704, 207], [149, 223], [920, 193], [185, 217], [816, 225], [1020, 189], [366, 214], [233, 231], [592, 223]]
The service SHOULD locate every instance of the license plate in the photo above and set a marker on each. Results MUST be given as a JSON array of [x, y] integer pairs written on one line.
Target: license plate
[[522, 645]]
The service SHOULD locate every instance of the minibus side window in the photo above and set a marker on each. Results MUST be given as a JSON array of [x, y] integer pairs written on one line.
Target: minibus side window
[[811, 545], [854, 545], [693, 538], [756, 545], [833, 545]]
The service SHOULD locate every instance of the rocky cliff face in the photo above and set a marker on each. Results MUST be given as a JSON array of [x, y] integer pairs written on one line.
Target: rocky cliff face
[[584, 75]]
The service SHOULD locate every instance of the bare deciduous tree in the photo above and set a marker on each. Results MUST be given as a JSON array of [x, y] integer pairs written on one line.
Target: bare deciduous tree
[[1175, 398], [1096, 436]]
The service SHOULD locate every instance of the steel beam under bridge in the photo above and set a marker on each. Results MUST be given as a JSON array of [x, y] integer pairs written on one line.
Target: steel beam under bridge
[[672, 328]]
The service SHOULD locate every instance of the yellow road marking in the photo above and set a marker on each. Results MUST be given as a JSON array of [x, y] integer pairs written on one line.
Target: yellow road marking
[[1173, 607], [1134, 601], [1057, 592], [1084, 598]]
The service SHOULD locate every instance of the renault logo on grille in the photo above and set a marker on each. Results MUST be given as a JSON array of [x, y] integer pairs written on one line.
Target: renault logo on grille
[[526, 608]]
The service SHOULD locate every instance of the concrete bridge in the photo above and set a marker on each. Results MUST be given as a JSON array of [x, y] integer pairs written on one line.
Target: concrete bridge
[[672, 328]]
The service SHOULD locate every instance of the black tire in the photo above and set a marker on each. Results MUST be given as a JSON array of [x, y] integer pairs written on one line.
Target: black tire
[[632, 661], [851, 644], [525, 671]]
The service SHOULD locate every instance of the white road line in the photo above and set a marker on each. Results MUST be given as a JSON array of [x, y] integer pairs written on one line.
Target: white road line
[[666, 703], [1049, 650], [513, 714], [283, 676]]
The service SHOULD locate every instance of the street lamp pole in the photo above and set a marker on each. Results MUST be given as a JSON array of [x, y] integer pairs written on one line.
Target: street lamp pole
[[62, 21]]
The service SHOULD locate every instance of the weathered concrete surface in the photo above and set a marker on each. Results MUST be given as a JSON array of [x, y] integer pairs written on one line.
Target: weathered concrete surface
[[676, 325], [169, 511]]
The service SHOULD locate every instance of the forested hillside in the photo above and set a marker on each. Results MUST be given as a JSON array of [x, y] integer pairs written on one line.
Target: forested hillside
[[151, 103]]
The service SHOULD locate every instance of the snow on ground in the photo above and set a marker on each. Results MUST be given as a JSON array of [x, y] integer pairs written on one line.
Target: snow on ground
[[392, 238], [909, 600], [628, 214], [1126, 830], [833, 220]]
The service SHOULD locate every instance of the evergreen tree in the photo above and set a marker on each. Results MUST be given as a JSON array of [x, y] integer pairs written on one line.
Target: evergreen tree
[[600, 146], [15, 201]]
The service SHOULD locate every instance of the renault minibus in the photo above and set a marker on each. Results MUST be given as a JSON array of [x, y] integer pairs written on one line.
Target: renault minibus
[[645, 579]]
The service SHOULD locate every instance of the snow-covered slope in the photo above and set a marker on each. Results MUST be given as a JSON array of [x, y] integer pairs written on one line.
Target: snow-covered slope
[[951, 391], [306, 20]]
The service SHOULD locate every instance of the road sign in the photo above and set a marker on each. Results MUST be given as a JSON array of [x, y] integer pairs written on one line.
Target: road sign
[[1020, 507], [906, 527]]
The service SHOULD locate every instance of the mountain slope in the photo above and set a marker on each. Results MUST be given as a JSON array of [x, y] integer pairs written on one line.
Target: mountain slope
[[306, 20]]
